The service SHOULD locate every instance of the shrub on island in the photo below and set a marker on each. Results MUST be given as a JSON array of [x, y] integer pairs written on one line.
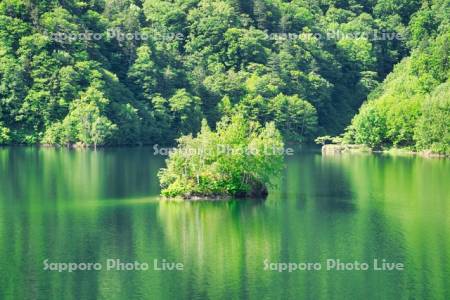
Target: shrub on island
[[238, 160]]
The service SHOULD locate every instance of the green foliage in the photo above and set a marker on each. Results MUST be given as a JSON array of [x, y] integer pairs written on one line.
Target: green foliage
[[403, 8], [245, 46], [144, 72], [433, 129], [401, 119], [327, 139], [369, 126], [240, 159], [209, 59], [4, 135], [208, 24], [186, 112], [411, 107], [324, 140], [296, 118], [84, 125]]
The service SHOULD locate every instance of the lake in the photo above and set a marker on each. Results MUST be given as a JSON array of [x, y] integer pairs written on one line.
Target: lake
[[74, 206]]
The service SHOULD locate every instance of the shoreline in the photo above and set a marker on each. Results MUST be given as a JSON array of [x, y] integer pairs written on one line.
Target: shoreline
[[326, 150], [210, 199], [342, 149]]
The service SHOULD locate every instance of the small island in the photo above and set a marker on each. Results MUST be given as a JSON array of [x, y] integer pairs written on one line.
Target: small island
[[237, 160]]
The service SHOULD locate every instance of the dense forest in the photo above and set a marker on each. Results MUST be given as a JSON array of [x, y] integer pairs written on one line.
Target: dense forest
[[126, 72]]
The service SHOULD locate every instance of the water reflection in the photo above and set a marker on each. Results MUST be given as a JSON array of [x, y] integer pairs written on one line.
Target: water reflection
[[90, 206]]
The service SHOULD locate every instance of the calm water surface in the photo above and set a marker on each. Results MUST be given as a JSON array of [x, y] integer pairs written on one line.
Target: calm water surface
[[86, 206]]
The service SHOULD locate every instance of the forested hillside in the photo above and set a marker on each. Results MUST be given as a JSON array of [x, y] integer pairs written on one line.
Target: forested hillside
[[105, 72], [412, 107]]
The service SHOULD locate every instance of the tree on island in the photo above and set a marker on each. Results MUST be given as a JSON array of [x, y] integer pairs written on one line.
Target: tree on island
[[238, 160]]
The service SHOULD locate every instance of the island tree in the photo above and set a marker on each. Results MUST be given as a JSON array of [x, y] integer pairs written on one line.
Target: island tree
[[239, 159]]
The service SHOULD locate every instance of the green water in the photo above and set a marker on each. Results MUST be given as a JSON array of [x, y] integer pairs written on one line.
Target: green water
[[86, 206]]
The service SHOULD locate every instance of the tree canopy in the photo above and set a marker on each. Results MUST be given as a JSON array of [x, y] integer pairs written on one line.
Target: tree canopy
[[239, 159], [147, 71], [411, 108]]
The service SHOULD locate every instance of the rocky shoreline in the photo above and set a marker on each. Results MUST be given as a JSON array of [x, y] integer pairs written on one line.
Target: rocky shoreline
[[338, 149]]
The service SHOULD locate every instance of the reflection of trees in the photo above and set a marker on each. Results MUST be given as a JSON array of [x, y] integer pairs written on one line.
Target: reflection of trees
[[333, 188], [47, 175], [401, 207], [221, 243], [407, 194]]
